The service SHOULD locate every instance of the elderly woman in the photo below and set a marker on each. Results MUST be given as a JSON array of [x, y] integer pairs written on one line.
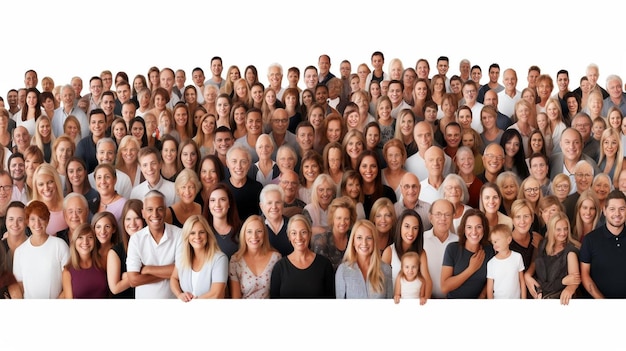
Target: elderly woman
[[334, 242], [265, 170], [323, 192], [201, 269], [303, 273], [363, 274], [187, 186], [453, 189], [250, 268]]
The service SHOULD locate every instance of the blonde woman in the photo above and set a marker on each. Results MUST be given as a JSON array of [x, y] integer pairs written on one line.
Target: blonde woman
[[363, 274], [201, 270], [43, 137], [611, 151], [588, 213], [47, 188]]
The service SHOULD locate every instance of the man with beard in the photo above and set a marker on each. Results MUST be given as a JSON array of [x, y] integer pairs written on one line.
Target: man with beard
[[17, 173]]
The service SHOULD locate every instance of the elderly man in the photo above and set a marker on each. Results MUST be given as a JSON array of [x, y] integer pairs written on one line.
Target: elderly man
[[410, 187], [272, 201], [493, 163], [583, 177], [289, 182], [75, 213], [67, 108], [434, 159], [275, 79], [571, 145], [245, 189], [436, 240], [616, 95]]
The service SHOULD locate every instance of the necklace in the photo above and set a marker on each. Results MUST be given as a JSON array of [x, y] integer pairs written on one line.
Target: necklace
[[110, 202]]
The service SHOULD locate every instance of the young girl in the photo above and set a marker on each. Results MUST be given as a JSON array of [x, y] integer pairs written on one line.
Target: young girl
[[599, 125], [409, 282], [505, 271]]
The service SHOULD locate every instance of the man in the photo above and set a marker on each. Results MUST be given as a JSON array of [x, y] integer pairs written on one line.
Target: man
[[476, 74], [75, 213], [30, 79], [18, 177], [244, 188], [275, 78], [166, 79], [494, 75], [123, 96], [216, 71], [107, 104], [293, 76], [592, 74], [323, 63], [12, 101], [77, 85], [377, 74], [305, 134], [335, 92], [533, 74], [150, 163], [443, 64], [396, 95], [436, 240], [510, 95], [409, 78], [179, 83], [422, 69], [129, 111], [290, 182], [416, 164], [591, 146], [434, 160], [464, 69], [616, 96], [152, 251], [279, 134], [107, 80], [469, 90], [21, 97], [571, 145], [583, 177], [410, 188], [91, 101], [272, 201], [106, 151], [602, 259], [493, 163], [21, 139], [452, 138], [197, 75], [86, 148], [310, 77], [222, 142], [6, 195], [384, 87], [345, 68], [562, 84], [491, 99], [68, 108]]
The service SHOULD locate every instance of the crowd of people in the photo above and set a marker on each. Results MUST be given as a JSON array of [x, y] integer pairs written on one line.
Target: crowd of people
[[390, 182]]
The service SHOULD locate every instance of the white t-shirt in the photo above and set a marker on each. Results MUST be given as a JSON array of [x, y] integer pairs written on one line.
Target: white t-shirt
[[40, 268], [505, 275]]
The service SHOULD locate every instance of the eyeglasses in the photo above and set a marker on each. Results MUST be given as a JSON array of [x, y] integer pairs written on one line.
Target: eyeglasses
[[444, 215], [583, 175], [531, 190], [282, 120], [562, 187], [494, 157], [6, 188], [286, 182]]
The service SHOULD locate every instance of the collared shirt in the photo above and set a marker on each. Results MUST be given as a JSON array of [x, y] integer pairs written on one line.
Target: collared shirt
[[164, 186], [434, 250]]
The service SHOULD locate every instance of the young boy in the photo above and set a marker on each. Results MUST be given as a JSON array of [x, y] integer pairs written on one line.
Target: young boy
[[505, 271]]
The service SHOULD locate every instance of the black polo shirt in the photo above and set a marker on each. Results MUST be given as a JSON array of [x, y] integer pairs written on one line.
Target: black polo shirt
[[606, 253]]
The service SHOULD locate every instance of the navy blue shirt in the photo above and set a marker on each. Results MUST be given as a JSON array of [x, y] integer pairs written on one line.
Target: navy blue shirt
[[606, 253]]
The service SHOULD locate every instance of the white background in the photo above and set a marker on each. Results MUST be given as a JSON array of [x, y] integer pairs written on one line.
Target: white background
[[62, 39]]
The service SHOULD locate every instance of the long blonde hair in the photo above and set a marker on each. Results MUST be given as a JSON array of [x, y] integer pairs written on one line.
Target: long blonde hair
[[374, 272], [551, 240], [577, 230], [187, 252], [266, 247]]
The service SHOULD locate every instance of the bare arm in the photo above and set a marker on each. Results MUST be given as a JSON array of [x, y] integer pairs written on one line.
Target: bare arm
[[235, 289], [451, 282], [67, 285], [531, 282], [150, 274], [114, 271], [428, 281], [522, 284], [588, 283], [572, 280], [217, 291], [387, 255], [489, 288], [176, 290], [397, 291]]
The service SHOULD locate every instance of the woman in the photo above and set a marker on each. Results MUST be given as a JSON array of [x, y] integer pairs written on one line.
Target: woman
[[490, 203], [105, 179], [323, 192], [132, 221], [127, 160], [265, 170], [509, 185], [6, 136], [250, 268], [118, 130], [449, 105], [421, 94], [373, 140], [523, 113], [547, 207], [182, 123], [613, 120], [211, 172], [437, 88], [351, 187], [595, 102], [105, 227], [30, 112], [291, 101], [525, 240], [270, 103], [471, 139], [573, 105], [491, 133], [333, 161], [190, 97], [139, 82], [333, 243], [514, 157], [317, 117], [232, 75], [588, 213], [242, 93], [223, 106], [536, 145], [538, 165], [373, 189], [561, 186], [530, 189], [15, 232], [555, 273], [62, 150], [555, 119], [48, 189], [257, 91], [383, 216], [395, 158], [205, 135], [311, 167], [188, 155], [33, 157], [374, 93], [611, 151], [465, 162], [187, 186], [303, 273], [464, 270], [144, 99], [409, 237], [9, 287], [238, 120], [453, 189], [138, 129], [43, 137], [362, 273], [308, 98], [353, 118], [223, 218], [160, 99], [464, 117], [78, 182], [602, 185], [251, 75], [201, 271], [362, 100], [84, 276], [169, 155]]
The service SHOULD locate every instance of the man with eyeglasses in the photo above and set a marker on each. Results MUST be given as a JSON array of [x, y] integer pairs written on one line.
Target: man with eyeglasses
[[75, 213], [410, 188], [571, 145], [436, 240], [279, 134], [290, 182], [493, 163], [583, 177], [6, 193]]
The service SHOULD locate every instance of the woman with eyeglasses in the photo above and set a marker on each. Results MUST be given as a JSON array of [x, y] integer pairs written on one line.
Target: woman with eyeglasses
[[530, 189]]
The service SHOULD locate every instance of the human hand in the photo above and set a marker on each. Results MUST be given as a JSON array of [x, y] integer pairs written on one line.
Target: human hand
[[422, 300], [566, 295], [571, 279], [476, 261], [185, 296], [396, 299], [83, 104]]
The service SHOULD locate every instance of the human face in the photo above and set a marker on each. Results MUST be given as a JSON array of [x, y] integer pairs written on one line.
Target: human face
[[587, 211], [16, 168], [305, 138], [333, 131], [624, 126], [76, 173], [264, 149], [310, 78], [257, 93], [223, 107], [31, 99], [208, 174], [198, 236], [375, 90], [523, 219], [595, 105], [169, 152], [615, 213], [474, 231], [434, 159], [119, 131], [48, 104], [354, 147], [409, 229], [368, 169], [571, 145], [254, 123], [106, 153], [310, 170], [223, 141], [363, 242], [602, 187], [280, 122], [609, 146], [441, 216], [30, 165], [354, 84], [44, 129], [439, 85], [104, 230], [455, 86], [549, 212], [395, 93], [430, 114], [299, 236], [383, 220], [137, 130], [512, 147], [509, 189], [453, 193], [341, 220], [420, 90], [219, 203], [123, 93], [467, 139], [166, 79], [372, 137], [85, 244], [321, 95], [285, 160], [500, 242], [289, 182], [181, 117], [615, 121], [562, 189], [67, 97], [105, 182], [494, 74], [275, 77], [583, 177], [238, 164], [272, 206], [97, 125], [325, 194], [572, 105], [150, 168], [423, 135], [538, 168], [407, 124], [15, 221], [5, 195], [307, 98], [132, 222], [442, 67], [239, 115], [353, 188], [187, 192], [208, 125], [190, 96], [384, 110], [344, 69], [316, 118], [532, 78], [532, 190], [189, 157], [536, 142], [254, 235], [394, 158], [453, 136], [490, 200], [464, 118], [154, 212], [465, 162], [422, 69], [410, 267]]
